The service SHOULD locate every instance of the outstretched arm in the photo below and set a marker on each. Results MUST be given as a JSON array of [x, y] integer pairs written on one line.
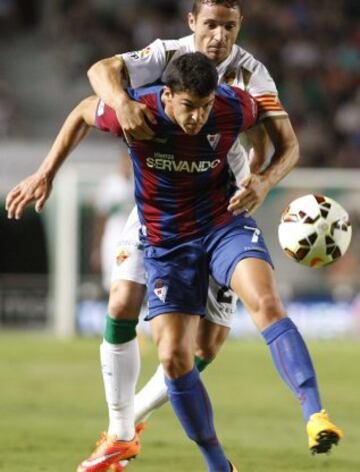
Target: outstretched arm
[[106, 78], [37, 187], [255, 187]]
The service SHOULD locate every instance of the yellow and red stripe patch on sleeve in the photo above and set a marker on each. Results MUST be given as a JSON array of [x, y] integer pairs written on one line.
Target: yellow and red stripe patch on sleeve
[[269, 105]]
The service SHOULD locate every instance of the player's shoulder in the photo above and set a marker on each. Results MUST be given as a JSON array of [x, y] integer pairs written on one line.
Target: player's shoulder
[[241, 58], [176, 47], [148, 95], [180, 46], [247, 72]]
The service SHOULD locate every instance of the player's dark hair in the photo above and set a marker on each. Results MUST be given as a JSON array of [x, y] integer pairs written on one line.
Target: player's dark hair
[[192, 72], [226, 3]]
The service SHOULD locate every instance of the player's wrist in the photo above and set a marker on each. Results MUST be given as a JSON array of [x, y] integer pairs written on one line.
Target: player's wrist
[[120, 101], [46, 174]]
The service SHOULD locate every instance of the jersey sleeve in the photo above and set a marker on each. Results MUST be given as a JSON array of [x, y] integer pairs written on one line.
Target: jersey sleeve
[[106, 119], [146, 66], [262, 87], [249, 108]]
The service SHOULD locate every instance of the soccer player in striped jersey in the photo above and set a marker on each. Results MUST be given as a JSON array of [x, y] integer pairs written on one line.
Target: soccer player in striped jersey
[[182, 191], [215, 24], [189, 230]]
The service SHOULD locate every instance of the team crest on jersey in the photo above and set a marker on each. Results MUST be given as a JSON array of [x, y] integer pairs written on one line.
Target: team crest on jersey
[[213, 139], [142, 54], [122, 256], [160, 290]]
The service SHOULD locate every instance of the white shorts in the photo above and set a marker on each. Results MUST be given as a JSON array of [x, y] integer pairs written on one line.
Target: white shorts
[[129, 265]]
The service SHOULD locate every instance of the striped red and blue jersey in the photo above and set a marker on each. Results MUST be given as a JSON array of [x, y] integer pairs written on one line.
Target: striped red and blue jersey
[[183, 183]]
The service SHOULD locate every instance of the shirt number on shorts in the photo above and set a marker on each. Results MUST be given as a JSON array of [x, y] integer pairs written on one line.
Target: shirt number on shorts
[[256, 233]]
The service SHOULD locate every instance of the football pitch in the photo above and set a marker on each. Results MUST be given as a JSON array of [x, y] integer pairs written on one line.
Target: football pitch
[[52, 408]]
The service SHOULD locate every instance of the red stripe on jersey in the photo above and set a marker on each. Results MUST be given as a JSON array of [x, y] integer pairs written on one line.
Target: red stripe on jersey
[[150, 100], [150, 194], [106, 119], [186, 219], [228, 126]]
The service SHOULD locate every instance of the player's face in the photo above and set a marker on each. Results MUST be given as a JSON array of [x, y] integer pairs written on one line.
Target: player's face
[[189, 111], [216, 28]]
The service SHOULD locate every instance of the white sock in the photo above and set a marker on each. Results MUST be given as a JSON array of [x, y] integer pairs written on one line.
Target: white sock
[[152, 396], [120, 366]]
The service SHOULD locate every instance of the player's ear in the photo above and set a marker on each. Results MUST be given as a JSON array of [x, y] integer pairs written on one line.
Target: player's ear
[[167, 93], [191, 21], [240, 22]]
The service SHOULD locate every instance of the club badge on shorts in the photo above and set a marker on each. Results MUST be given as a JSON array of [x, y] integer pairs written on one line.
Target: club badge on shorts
[[122, 256], [160, 290]]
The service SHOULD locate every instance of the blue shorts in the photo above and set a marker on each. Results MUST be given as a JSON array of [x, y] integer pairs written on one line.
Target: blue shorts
[[178, 277]]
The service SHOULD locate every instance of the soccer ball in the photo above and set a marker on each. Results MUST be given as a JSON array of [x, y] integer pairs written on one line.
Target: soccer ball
[[314, 230]]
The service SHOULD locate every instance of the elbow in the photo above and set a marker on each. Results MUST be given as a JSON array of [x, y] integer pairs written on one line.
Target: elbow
[[93, 71]]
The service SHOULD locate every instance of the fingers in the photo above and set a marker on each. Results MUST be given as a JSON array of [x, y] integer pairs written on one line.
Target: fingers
[[240, 203], [40, 202], [150, 116], [136, 121], [237, 209], [11, 196], [17, 205], [142, 132]]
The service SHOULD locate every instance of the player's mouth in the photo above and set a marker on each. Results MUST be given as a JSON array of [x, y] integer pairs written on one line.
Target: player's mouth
[[192, 128], [217, 48]]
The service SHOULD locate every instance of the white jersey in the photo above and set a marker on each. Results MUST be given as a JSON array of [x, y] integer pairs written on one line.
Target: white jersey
[[240, 69]]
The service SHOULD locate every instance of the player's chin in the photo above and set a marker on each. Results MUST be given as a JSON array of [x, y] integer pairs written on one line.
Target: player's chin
[[216, 55], [191, 130]]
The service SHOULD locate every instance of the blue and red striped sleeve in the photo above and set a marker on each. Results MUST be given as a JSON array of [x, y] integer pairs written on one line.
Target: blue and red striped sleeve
[[106, 119], [249, 108]]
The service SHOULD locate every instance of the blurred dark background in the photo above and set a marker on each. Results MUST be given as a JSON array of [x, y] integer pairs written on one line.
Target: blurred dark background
[[311, 48]]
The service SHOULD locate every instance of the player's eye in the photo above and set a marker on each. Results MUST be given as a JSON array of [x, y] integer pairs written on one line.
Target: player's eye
[[210, 25]]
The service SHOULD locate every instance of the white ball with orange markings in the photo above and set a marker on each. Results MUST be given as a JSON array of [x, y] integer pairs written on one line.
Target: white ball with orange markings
[[314, 230]]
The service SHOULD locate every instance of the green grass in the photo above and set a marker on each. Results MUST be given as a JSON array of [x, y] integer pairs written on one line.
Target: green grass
[[52, 409]]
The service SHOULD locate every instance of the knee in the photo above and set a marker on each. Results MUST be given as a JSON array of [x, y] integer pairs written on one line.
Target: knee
[[121, 305], [207, 352], [210, 339], [268, 309], [176, 362]]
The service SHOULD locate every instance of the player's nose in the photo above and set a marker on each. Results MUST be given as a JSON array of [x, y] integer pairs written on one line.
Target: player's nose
[[220, 34]]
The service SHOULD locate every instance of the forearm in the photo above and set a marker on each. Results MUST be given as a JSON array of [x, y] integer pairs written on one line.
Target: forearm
[[282, 162], [106, 78], [285, 151], [71, 134]]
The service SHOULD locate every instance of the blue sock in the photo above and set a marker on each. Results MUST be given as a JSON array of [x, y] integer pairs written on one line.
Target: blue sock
[[192, 406], [292, 361]]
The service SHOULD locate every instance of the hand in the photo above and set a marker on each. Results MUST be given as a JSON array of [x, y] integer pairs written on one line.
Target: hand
[[134, 118], [253, 190], [35, 188]]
